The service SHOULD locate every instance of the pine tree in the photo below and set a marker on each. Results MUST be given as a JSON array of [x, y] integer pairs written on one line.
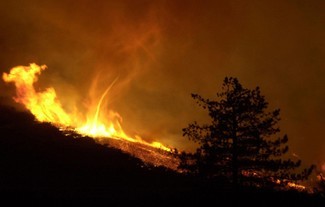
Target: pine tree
[[241, 142]]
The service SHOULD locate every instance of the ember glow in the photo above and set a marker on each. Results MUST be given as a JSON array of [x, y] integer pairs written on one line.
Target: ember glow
[[46, 107]]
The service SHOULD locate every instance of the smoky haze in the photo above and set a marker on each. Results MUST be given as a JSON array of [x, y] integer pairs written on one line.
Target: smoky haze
[[161, 51]]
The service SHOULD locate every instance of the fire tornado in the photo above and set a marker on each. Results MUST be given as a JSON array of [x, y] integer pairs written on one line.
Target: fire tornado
[[46, 107]]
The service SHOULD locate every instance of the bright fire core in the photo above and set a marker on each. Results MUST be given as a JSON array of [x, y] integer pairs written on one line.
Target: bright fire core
[[46, 107]]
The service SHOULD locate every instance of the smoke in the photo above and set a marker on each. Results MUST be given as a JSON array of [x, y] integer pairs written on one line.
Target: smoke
[[161, 51]]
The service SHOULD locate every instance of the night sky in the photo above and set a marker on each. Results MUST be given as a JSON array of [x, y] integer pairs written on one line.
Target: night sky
[[162, 51]]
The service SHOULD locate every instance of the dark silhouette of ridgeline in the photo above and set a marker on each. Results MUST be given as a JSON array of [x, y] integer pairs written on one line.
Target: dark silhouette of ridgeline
[[41, 166]]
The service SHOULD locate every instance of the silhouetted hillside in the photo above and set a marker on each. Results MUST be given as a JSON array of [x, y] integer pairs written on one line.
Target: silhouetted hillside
[[38, 160], [42, 166]]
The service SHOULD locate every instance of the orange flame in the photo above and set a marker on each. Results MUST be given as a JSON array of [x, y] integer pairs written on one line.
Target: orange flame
[[46, 107], [43, 105]]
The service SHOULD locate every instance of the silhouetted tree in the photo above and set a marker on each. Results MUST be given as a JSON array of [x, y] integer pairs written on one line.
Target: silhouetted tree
[[240, 141]]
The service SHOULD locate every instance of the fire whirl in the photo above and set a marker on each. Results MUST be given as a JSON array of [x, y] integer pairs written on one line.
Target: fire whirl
[[46, 107]]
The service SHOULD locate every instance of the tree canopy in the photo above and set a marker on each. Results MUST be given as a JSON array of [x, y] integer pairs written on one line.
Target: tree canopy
[[241, 142]]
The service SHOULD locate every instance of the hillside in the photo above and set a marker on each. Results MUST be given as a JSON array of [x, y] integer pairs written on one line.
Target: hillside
[[40, 164]]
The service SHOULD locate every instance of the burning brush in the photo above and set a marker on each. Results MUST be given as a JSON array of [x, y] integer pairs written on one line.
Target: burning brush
[[46, 107]]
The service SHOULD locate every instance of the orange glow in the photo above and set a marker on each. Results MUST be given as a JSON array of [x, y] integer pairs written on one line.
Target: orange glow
[[46, 107], [296, 186], [323, 167]]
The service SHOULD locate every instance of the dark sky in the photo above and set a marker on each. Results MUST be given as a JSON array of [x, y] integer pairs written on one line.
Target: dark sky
[[166, 49]]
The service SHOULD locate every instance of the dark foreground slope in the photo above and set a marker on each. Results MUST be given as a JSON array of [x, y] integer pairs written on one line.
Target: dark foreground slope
[[41, 166]]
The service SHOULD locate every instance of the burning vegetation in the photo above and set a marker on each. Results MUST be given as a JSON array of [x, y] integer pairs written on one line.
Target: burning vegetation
[[46, 107], [104, 127]]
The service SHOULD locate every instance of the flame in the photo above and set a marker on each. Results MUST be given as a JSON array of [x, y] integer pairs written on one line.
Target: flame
[[43, 105], [296, 186], [46, 107]]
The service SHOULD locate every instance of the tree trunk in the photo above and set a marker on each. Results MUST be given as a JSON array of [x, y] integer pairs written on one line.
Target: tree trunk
[[235, 163], [235, 154]]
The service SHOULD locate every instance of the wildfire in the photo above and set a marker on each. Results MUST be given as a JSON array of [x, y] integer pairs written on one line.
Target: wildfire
[[46, 107]]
